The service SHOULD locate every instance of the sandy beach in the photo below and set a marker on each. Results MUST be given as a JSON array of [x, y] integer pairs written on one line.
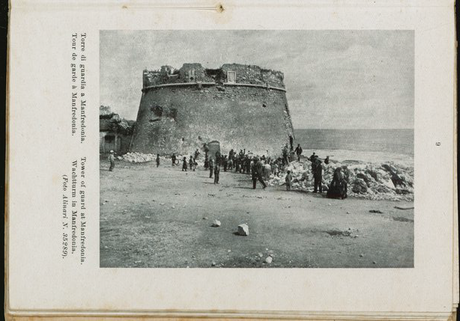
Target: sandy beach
[[162, 217]]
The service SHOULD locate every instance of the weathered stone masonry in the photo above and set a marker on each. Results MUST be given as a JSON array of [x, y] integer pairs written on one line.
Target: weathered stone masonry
[[238, 105]]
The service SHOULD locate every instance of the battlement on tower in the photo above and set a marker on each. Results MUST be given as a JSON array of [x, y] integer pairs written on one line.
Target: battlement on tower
[[230, 74]]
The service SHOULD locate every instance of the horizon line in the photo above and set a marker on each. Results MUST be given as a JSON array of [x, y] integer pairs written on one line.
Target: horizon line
[[357, 128]]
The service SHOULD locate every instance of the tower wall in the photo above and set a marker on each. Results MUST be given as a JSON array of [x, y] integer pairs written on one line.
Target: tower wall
[[180, 118]]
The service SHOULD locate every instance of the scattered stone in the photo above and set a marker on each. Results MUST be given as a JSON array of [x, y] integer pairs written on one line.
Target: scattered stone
[[106, 201], [361, 255], [269, 259], [402, 219], [336, 232], [404, 208], [216, 223], [376, 211], [147, 217], [243, 230], [213, 263], [348, 212], [373, 262], [205, 218], [173, 206], [229, 251], [260, 254]]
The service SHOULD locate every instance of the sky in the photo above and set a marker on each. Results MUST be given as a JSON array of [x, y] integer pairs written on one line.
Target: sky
[[334, 79]]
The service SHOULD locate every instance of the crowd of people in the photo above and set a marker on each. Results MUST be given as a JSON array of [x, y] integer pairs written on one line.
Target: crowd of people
[[259, 167]]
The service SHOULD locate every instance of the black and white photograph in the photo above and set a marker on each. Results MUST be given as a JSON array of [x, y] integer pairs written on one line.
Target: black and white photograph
[[256, 148]]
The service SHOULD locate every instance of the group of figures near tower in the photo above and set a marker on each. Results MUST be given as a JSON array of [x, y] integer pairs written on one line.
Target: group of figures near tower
[[262, 167]]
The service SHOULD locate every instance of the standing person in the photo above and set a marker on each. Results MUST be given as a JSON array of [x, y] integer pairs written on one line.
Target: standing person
[[111, 160], [158, 160], [218, 160], [230, 154], [173, 159], [211, 165], [257, 173], [190, 162], [318, 176], [197, 153], [184, 164], [288, 180], [216, 173], [275, 168], [225, 163], [313, 157], [230, 164], [206, 161], [326, 161], [285, 155], [298, 151], [194, 164]]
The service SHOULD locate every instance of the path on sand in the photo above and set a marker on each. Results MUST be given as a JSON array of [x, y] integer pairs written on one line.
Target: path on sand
[[162, 217]]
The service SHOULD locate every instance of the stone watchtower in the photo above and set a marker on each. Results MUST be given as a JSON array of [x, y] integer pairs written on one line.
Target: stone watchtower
[[240, 106]]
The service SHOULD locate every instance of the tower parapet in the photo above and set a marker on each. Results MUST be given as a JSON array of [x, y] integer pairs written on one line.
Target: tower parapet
[[228, 74]]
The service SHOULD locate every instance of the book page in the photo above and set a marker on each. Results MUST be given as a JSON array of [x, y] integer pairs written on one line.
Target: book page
[[233, 159]]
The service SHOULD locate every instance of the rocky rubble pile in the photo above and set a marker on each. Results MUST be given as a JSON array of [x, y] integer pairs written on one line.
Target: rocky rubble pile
[[388, 181], [138, 157]]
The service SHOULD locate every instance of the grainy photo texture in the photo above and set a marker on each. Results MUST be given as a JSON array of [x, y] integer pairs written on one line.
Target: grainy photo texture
[[257, 149]]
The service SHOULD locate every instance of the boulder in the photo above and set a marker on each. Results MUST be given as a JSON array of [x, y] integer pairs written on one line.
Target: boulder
[[243, 230], [216, 223]]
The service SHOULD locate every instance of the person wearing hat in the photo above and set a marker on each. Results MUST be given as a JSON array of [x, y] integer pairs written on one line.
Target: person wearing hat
[[257, 173], [318, 176], [111, 160]]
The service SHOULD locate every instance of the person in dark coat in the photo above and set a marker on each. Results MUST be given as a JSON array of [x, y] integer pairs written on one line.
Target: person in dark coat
[[216, 173], [190, 162], [338, 187], [288, 180], [318, 176], [225, 162], [184, 164], [173, 159], [206, 161], [257, 174], [158, 160], [298, 150], [285, 155], [326, 161]]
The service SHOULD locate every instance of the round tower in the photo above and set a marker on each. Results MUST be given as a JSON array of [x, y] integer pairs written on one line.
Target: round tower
[[240, 106]]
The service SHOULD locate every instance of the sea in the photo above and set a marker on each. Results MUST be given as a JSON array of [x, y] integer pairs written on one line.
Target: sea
[[361, 145]]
